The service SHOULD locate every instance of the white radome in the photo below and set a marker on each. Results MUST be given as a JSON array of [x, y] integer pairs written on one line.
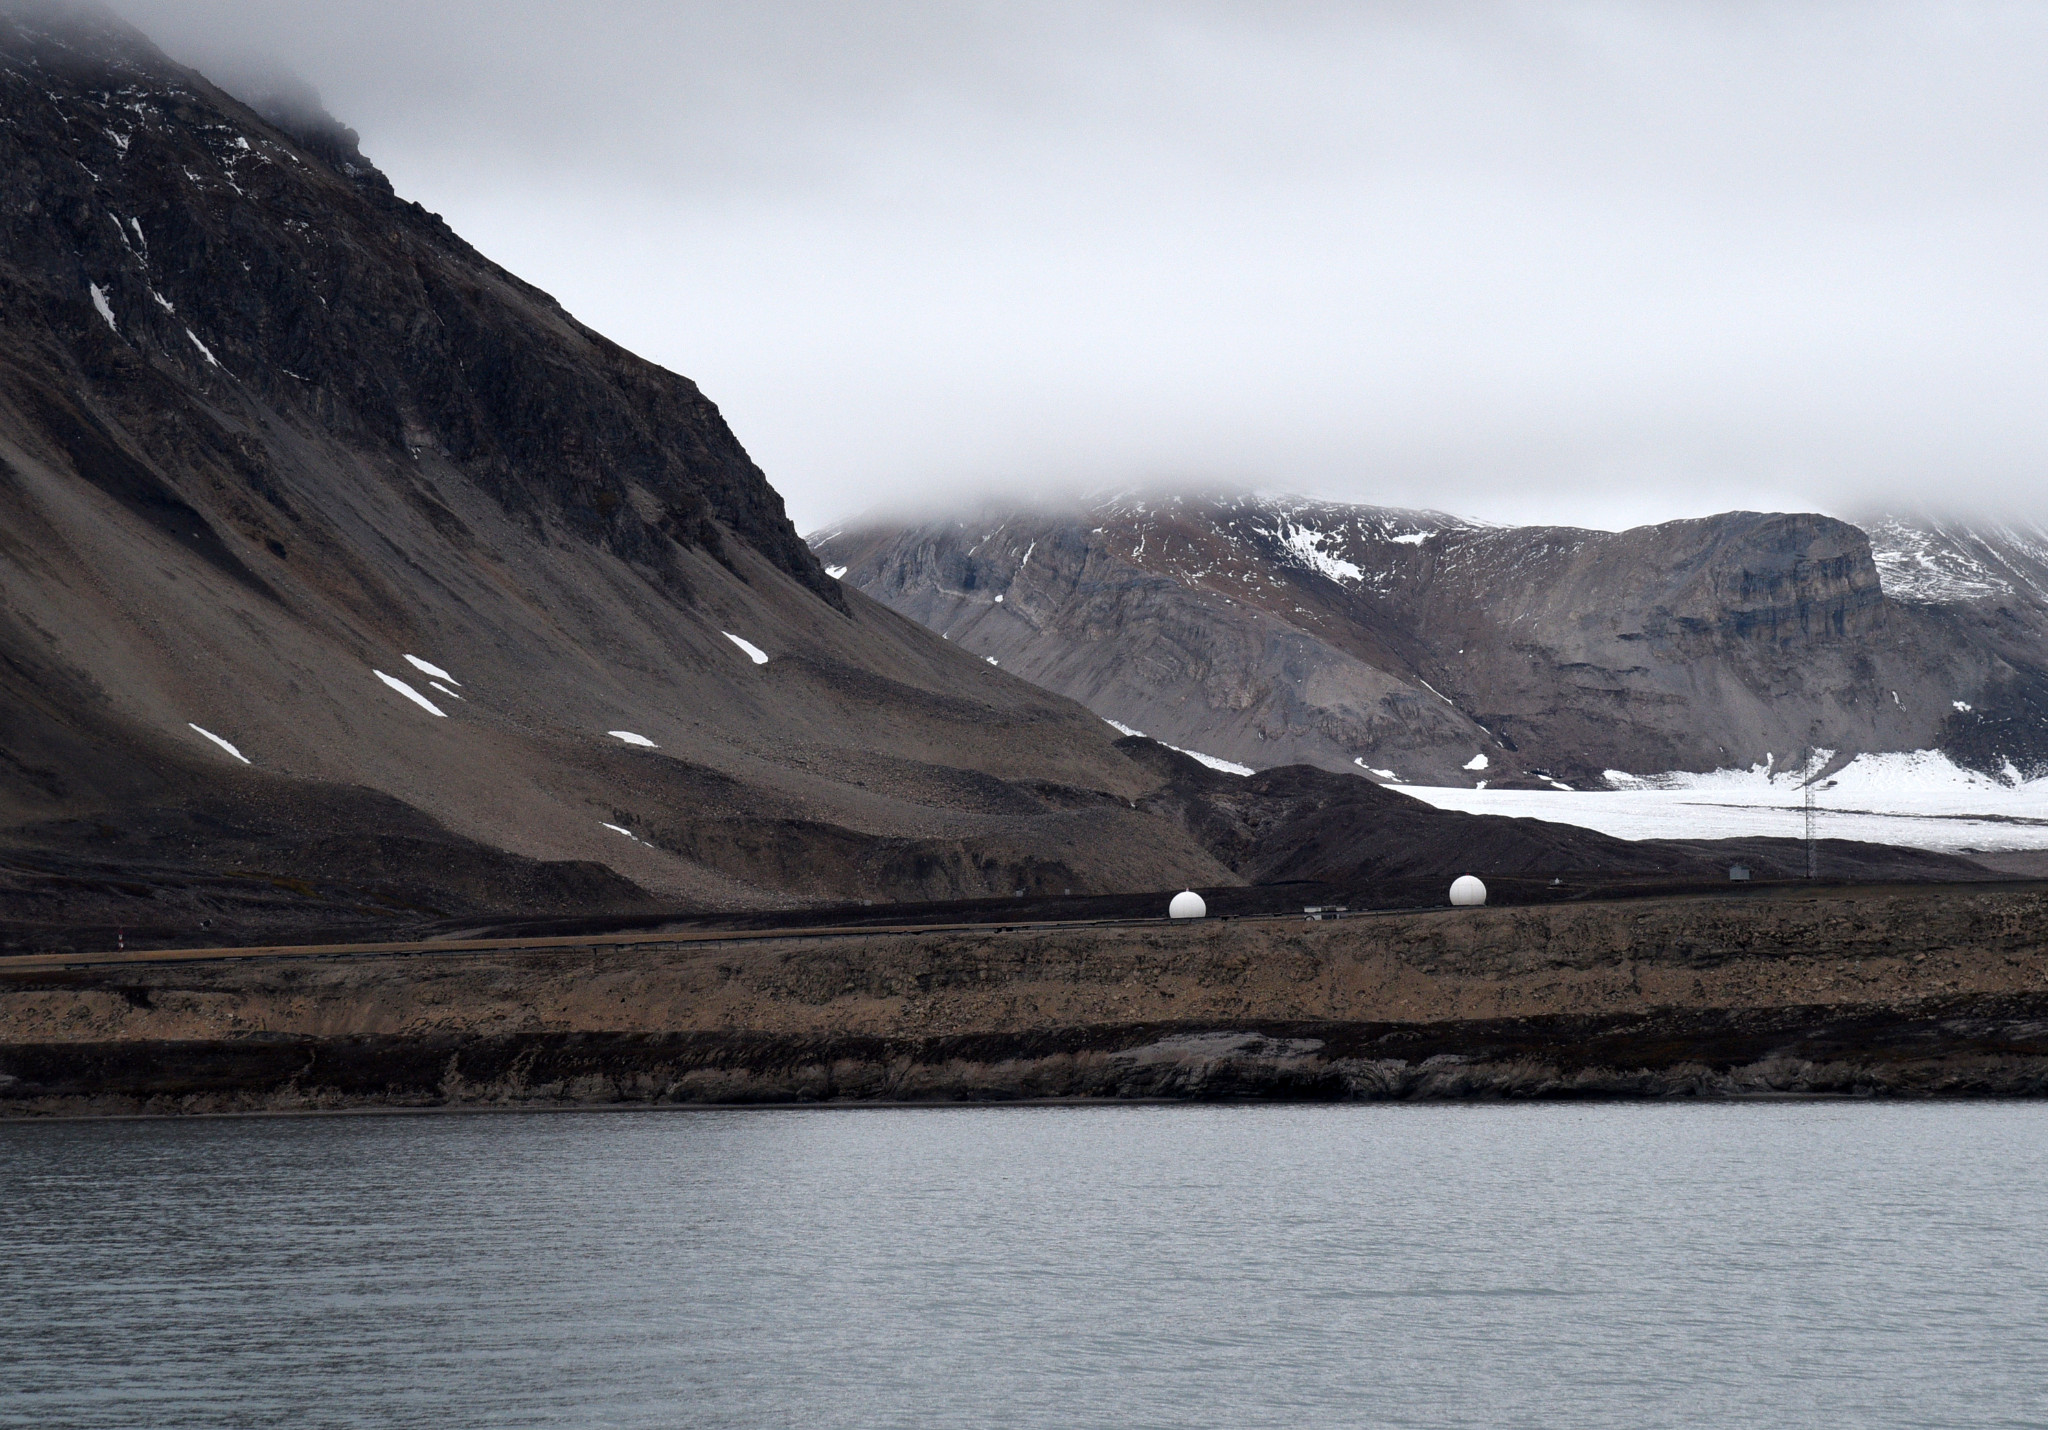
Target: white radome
[[1467, 892], [1187, 904]]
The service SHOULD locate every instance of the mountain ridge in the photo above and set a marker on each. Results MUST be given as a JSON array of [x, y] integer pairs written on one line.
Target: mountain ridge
[[1421, 643]]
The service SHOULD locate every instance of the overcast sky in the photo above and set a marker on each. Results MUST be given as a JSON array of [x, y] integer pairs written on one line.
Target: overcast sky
[[1599, 263]]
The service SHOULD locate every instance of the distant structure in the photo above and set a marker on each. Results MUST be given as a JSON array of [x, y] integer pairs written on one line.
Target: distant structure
[[1739, 873], [1809, 787], [1187, 904], [1812, 856], [1467, 892]]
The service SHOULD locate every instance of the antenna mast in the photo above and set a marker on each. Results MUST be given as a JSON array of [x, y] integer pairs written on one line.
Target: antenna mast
[[1812, 858]]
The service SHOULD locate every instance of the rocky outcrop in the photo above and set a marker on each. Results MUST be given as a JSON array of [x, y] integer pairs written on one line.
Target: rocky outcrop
[[1868, 993], [1268, 631], [161, 237]]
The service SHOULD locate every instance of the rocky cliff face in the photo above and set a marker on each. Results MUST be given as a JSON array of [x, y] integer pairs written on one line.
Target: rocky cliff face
[[164, 243], [1266, 631]]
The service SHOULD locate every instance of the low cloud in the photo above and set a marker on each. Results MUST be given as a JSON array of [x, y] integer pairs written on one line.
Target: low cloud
[[1597, 263]]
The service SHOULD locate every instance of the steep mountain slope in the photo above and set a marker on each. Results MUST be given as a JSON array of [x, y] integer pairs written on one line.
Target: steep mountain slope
[[349, 583], [1199, 623], [1986, 585], [284, 460], [1423, 648], [1933, 561]]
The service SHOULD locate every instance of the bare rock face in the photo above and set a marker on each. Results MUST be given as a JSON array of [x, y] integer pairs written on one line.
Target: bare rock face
[[1418, 647], [159, 236]]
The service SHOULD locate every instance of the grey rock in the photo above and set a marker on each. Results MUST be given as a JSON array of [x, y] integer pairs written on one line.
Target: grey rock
[[1272, 630]]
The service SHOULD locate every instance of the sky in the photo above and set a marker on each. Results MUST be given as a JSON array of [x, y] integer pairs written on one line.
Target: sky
[[1564, 262]]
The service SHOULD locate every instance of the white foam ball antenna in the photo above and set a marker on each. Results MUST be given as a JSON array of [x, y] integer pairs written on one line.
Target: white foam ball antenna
[[1467, 892], [1187, 904]]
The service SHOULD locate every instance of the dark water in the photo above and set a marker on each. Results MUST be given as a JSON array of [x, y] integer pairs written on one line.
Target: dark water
[[1776, 1265]]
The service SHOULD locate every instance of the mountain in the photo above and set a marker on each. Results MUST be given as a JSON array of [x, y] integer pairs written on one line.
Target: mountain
[[1426, 649], [492, 613], [350, 586]]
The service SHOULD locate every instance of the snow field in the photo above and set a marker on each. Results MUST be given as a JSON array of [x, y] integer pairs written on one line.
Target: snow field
[[1918, 799]]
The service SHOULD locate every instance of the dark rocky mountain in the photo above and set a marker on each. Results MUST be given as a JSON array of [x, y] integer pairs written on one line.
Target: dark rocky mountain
[[274, 443], [1268, 631], [348, 584]]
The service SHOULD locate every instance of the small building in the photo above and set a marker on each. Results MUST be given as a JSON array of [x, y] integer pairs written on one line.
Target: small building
[[1739, 873], [1325, 911]]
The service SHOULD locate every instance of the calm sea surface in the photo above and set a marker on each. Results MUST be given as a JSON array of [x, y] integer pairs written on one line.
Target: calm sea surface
[[1764, 1265]]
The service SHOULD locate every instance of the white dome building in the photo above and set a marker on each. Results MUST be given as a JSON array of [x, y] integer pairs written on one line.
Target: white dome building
[[1467, 892], [1187, 904]]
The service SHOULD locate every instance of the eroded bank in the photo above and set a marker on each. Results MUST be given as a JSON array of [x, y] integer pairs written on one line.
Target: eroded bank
[[1888, 990]]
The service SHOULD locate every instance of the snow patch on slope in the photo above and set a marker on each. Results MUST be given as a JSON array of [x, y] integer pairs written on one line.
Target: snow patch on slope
[[1916, 563], [1307, 546], [1214, 762], [1920, 559], [754, 652], [220, 742], [410, 694], [429, 668]]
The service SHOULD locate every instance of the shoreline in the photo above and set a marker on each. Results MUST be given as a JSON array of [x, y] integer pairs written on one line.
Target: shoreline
[[558, 1109], [1937, 991]]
